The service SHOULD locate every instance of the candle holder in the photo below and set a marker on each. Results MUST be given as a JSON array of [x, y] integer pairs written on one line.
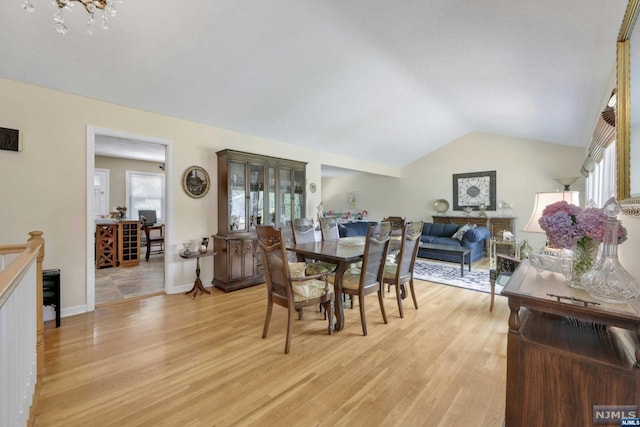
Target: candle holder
[[204, 245], [187, 248]]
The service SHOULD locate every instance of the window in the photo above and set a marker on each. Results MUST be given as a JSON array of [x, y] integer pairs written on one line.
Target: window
[[145, 191], [601, 182]]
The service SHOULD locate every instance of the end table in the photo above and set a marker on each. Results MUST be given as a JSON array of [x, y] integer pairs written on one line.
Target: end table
[[197, 285], [505, 266]]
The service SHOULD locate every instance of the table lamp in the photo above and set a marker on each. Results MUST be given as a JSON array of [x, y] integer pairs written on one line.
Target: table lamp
[[543, 200]]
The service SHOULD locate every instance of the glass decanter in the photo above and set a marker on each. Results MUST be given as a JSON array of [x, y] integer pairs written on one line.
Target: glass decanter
[[608, 281]]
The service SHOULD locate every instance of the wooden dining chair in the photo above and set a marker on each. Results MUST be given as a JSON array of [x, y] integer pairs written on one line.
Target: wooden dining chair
[[397, 222], [400, 272], [368, 279], [289, 288], [304, 232], [329, 229], [154, 233]]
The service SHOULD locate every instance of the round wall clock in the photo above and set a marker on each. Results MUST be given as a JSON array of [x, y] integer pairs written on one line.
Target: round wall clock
[[195, 182]]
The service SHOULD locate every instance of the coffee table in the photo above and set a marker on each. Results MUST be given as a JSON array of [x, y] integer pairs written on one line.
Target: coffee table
[[464, 253]]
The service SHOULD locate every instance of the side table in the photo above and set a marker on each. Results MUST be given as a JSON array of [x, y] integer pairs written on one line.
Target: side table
[[506, 247], [568, 354], [197, 285], [505, 266]]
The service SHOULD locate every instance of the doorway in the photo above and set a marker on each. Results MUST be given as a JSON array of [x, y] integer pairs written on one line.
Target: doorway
[[109, 147]]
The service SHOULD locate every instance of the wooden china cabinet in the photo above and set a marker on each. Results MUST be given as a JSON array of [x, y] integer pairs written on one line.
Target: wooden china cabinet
[[252, 190]]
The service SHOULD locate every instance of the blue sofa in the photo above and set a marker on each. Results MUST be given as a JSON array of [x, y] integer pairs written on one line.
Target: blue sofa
[[355, 228], [441, 234]]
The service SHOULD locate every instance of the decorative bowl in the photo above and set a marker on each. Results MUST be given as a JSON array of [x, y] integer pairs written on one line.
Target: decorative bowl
[[441, 206], [557, 261]]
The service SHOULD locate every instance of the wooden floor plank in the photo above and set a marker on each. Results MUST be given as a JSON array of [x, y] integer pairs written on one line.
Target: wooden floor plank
[[177, 361]]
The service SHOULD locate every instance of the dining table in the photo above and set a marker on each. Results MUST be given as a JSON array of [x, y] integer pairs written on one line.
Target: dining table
[[342, 252]]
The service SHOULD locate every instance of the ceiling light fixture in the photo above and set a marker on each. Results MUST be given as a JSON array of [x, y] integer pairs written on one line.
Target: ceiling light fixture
[[108, 7]]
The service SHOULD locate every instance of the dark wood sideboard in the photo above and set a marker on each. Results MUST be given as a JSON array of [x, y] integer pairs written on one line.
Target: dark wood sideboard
[[564, 357]]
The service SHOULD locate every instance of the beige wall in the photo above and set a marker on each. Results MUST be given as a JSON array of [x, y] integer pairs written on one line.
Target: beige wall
[[117, 175], [522, 169], [45, 184], [629, 251]]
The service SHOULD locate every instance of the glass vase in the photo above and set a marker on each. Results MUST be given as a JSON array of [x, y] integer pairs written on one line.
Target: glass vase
[[584, 255], [608, 281], [525, 250]]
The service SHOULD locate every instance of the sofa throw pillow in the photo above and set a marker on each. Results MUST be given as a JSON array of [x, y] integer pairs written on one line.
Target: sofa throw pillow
[[460, 233]]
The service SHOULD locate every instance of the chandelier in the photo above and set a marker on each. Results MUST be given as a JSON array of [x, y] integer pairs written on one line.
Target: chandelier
[[108, 7]]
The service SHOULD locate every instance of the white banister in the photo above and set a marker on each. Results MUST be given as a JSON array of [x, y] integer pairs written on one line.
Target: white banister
[[21, 344]]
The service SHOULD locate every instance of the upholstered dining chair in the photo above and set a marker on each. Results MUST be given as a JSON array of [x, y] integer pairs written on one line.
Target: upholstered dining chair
[[304, 232], [329, 229], [368, 278], [154, 233], [287, 285], [400, 272]]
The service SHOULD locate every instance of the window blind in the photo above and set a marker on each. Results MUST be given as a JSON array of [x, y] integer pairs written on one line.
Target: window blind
[[603, 135]]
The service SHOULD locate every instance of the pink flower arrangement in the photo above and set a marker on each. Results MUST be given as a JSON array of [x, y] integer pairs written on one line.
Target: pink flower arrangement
[[568, 225]]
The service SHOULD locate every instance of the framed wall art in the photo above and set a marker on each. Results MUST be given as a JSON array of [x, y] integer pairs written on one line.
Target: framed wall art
[[352, 199], [10, 139], [473, 189], [196, 182]]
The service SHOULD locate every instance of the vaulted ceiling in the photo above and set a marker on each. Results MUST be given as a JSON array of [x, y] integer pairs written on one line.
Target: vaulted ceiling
[[346, 76]]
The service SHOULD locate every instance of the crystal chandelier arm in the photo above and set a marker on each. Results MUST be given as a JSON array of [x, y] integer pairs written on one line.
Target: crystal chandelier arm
[[89, 5]]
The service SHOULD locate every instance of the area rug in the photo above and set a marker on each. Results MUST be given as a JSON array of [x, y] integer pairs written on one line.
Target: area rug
[[448, 273]]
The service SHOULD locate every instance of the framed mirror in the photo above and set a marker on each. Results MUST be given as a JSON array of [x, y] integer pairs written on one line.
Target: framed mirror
[[628, 123]]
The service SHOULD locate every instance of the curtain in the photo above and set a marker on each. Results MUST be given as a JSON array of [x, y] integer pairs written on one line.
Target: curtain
[[604, 135], [601, 181]]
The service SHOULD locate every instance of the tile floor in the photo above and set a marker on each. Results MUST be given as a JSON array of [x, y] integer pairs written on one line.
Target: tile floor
[[119, 283]]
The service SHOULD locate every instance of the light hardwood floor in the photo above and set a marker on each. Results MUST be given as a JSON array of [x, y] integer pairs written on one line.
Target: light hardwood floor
[[172, 361]]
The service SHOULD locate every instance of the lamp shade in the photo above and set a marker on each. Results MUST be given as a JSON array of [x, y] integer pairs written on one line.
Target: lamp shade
[[542, 201]]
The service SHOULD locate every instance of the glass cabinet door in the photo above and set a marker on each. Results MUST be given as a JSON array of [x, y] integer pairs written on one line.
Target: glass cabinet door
[[298, 193], [271, 205], [284, 190], [256, 195], [237, 197]]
